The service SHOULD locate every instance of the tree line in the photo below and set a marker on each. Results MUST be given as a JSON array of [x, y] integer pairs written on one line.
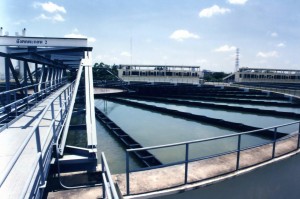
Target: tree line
[[103, 71]]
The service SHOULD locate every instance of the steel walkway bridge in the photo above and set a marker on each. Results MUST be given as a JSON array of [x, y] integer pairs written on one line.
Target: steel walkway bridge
[[37, 97]]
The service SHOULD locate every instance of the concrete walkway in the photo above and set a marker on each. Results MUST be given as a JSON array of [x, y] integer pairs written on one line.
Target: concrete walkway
[[13, 137], [168, 177]]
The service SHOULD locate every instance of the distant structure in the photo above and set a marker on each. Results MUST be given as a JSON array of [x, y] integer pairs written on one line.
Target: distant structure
[[264, 75], [160, 73], [237, 60]]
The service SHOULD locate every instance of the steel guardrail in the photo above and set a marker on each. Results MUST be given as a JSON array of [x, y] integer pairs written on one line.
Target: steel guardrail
[[186, 161], [17, 103]]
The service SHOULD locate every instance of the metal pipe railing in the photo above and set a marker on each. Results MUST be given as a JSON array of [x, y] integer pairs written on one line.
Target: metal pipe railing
[[14, 106], [29, 86], [238, 150], [108, 186], [14, 91], [34, 131]]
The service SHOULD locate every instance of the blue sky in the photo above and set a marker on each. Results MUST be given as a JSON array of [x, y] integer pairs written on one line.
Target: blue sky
[[173, 32]]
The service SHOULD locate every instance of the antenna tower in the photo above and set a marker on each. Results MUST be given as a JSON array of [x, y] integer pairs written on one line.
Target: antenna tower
[[131, 50], [237, 60]]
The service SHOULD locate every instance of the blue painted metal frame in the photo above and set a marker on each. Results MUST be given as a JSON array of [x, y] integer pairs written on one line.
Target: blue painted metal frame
[[14, 106], [42, 161], [187, 160]]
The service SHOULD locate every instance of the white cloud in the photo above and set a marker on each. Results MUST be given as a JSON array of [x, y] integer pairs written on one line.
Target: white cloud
[[125, 54], [58, 17], [43, 16], [274, 34], [281, 45], [180, 35], [237, 2], [267, 54], [225, 48], [50, 7], [215, 9], [78, 35], [54, 18]]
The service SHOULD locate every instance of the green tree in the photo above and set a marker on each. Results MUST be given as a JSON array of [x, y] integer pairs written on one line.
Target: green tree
[[103, 71], [215, 76]]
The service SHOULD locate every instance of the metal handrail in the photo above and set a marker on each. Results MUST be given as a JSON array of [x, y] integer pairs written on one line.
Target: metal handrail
[[17, 89], [108, 186], [17, 155], [34, 94], [210, 139], [59, 112], [16, 102], [187, 160]]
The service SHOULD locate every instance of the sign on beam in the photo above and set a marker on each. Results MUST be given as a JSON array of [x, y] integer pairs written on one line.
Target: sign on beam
[[42, 41]]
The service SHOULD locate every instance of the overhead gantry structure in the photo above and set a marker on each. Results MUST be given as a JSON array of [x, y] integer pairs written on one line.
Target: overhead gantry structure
[[40, 77], [44, 61]]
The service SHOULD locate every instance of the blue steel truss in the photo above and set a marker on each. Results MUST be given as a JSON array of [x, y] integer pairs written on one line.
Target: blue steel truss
[[32, 73]]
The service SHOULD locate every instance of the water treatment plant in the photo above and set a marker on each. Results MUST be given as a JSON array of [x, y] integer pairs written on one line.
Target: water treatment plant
[[156, 131]]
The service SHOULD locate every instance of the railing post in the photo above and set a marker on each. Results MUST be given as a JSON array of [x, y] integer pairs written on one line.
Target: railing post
[[15, 99], [186, 163], [65, 97], [26, 96], [52, 116], [127, 174], [103, 172], [36, 93], [238, 153], [45, 92], [69, 94], [274, 142], [39, 150], [298, 136], [60, 105]]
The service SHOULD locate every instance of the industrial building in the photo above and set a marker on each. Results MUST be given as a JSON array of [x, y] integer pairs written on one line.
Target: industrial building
[[160, 73]]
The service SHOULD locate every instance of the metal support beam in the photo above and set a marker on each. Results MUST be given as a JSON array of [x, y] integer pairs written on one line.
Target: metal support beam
[[36, 77], [89, 103], [36, 71], [25, 83], [11, 67], [69, 115], [47, 77], [7, 81], [41, 79], [27, 69], [61, 75], [53, 77], [50, 75], [56, 76]]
